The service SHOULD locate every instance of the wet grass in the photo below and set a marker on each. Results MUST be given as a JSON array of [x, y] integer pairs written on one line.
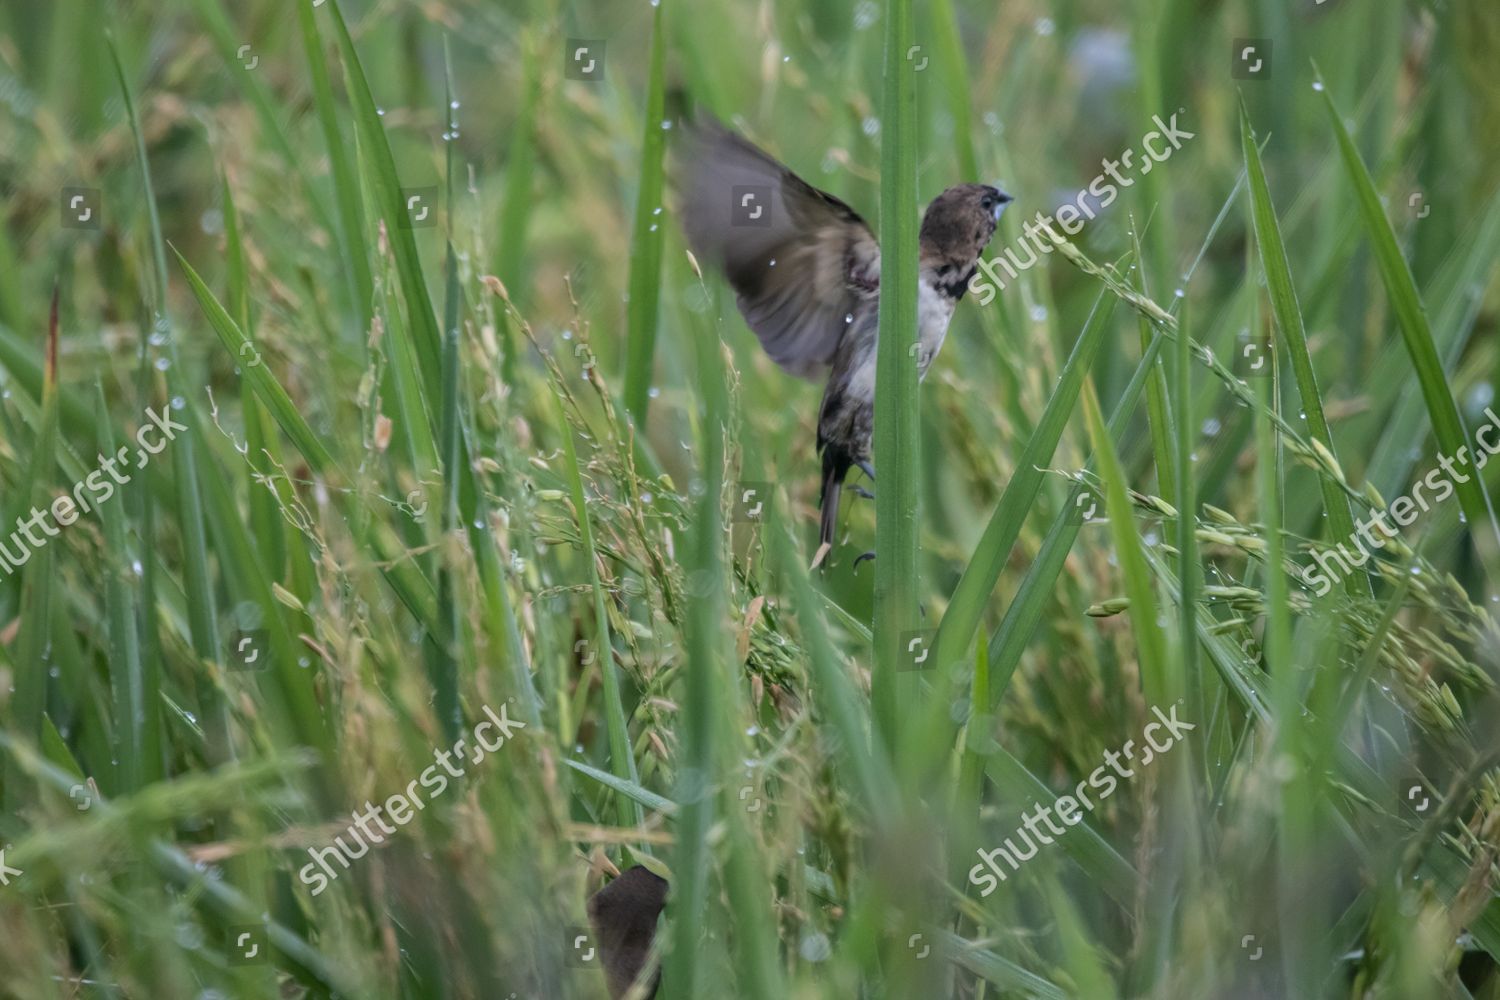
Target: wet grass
[[491, 447]]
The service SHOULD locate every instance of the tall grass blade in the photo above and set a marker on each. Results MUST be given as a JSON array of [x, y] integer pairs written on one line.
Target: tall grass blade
[[985, 565], [897, 432], [646, 242], [1288, 314], [1411, 320]]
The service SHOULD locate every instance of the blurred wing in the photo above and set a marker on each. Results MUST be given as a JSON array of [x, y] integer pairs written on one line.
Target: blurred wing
[[800, 259]]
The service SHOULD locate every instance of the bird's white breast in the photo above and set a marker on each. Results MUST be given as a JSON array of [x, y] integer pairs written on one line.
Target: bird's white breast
[[934, 310]]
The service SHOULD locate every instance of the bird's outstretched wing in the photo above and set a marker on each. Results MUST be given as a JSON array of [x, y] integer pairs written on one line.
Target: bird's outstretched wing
[[801, 260]]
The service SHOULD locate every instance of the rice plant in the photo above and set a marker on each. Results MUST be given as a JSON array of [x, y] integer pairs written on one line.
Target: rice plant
[[403, 533]]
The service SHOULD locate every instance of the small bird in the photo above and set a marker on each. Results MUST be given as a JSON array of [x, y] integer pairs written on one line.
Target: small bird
[[806, 270]]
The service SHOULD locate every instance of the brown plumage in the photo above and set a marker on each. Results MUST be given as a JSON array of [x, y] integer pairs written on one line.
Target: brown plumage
[[806, 271], [623, 916]]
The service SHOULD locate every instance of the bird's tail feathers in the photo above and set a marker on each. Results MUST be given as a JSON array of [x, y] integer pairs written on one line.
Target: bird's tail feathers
[[836, 465]]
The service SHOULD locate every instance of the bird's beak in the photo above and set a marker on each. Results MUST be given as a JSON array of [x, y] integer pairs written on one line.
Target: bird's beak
[[1001, 200]]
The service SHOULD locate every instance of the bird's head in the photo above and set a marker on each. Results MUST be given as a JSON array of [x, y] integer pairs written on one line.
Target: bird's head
[[960, 222]]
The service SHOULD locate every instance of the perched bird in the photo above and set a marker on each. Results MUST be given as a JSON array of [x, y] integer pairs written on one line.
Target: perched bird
[[623, 915], [806, 270]]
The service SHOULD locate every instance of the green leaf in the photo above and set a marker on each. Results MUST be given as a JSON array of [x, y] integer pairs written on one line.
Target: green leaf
[[646, 243], [1288, 315], [1411, 319], [375, 152], [985, 565], [897, 416]]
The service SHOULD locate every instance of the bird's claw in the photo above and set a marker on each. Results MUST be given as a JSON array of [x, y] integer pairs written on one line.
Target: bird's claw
[[867, 469], [861, 558], [861, 491]]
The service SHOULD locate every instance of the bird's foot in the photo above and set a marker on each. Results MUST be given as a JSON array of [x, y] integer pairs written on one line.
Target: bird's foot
[[861, 491], [861, 558], [867, 469]]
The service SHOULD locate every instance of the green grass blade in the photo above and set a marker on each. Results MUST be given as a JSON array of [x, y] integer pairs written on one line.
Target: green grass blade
[[414, 589], [137, 705], [262, 381], [270, 541], [1103, 864], [203, 628], [385, 193], [1461, 286], [621, 759], [953, 72], [630, 790], [454, 465], [1411, 319], [985, 565], [897, 431], [28, 702], [646, 243], [351, 228], [1186, 501], [1000, 971], [836, 696], [1288, 314], [701, 696]]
